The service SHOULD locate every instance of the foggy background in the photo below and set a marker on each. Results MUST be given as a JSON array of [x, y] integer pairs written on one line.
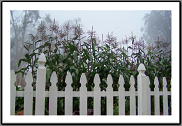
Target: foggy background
[[122, 25], [119, 22], [123, 28]]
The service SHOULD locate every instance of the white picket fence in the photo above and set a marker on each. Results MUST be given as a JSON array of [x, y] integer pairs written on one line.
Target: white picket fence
[[144, 94]]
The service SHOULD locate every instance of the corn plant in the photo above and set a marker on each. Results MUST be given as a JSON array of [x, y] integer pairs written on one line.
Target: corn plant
[[90, 58]]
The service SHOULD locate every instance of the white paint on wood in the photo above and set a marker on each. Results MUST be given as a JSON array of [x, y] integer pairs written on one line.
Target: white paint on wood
[[89, 93], [165, 97], [28, 95], [53, 95], [42, 61], [132, 96], [83, 95], [109, 92], [97, 96], [156, 95], [121, 96], [40, 86], [68, 95], [141, 78], [144, 94], [148, 96], [12, 92]]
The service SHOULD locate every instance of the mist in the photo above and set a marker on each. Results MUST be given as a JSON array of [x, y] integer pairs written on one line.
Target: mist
[[120, 22]]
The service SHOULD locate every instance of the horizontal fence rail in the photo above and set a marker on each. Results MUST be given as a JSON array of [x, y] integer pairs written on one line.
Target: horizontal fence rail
[[143, 93], [89, 93]]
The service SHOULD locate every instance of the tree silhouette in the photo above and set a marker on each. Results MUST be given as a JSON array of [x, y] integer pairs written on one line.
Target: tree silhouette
[[157, 23]]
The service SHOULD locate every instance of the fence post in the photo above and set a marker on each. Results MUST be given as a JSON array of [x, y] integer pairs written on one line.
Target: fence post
[[40, 86], [142, 92]]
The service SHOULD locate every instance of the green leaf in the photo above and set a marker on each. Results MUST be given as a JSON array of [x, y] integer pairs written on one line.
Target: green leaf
[[91, 58], [124, 54], [27, 56], [45, 51], [86, 53], [75, 56], [26, 48], [76, 71], [19, 62], [66, 57], [38, 41], [130, 47], [18, 71], [33, 54], [25, 60], [93, 49]]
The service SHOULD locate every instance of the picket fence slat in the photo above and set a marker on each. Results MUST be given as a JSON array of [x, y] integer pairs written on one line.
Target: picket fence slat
[[121, 96], [13, 93], [53, 95], [28, 95], [83, 95], [109, 92], [132, 96], [165, 97], [68, 95], [143, 93], [156, 95], [148, 97], [97, 98]]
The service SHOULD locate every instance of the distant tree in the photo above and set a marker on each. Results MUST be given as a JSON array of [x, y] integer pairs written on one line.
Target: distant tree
[[20, 25], [157, 23], [47, 18]]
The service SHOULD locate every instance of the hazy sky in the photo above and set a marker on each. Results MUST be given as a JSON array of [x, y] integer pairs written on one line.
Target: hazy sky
[[120, 22]]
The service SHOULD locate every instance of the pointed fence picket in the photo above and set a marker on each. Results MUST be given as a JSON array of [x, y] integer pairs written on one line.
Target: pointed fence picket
[[156, 95], [148, 96], [132, 96], [68, 95], [53, 95], [83, 95], [97, 96], [109, 93], [165, 97], [143, 93], [28, 95], [121, 96]]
